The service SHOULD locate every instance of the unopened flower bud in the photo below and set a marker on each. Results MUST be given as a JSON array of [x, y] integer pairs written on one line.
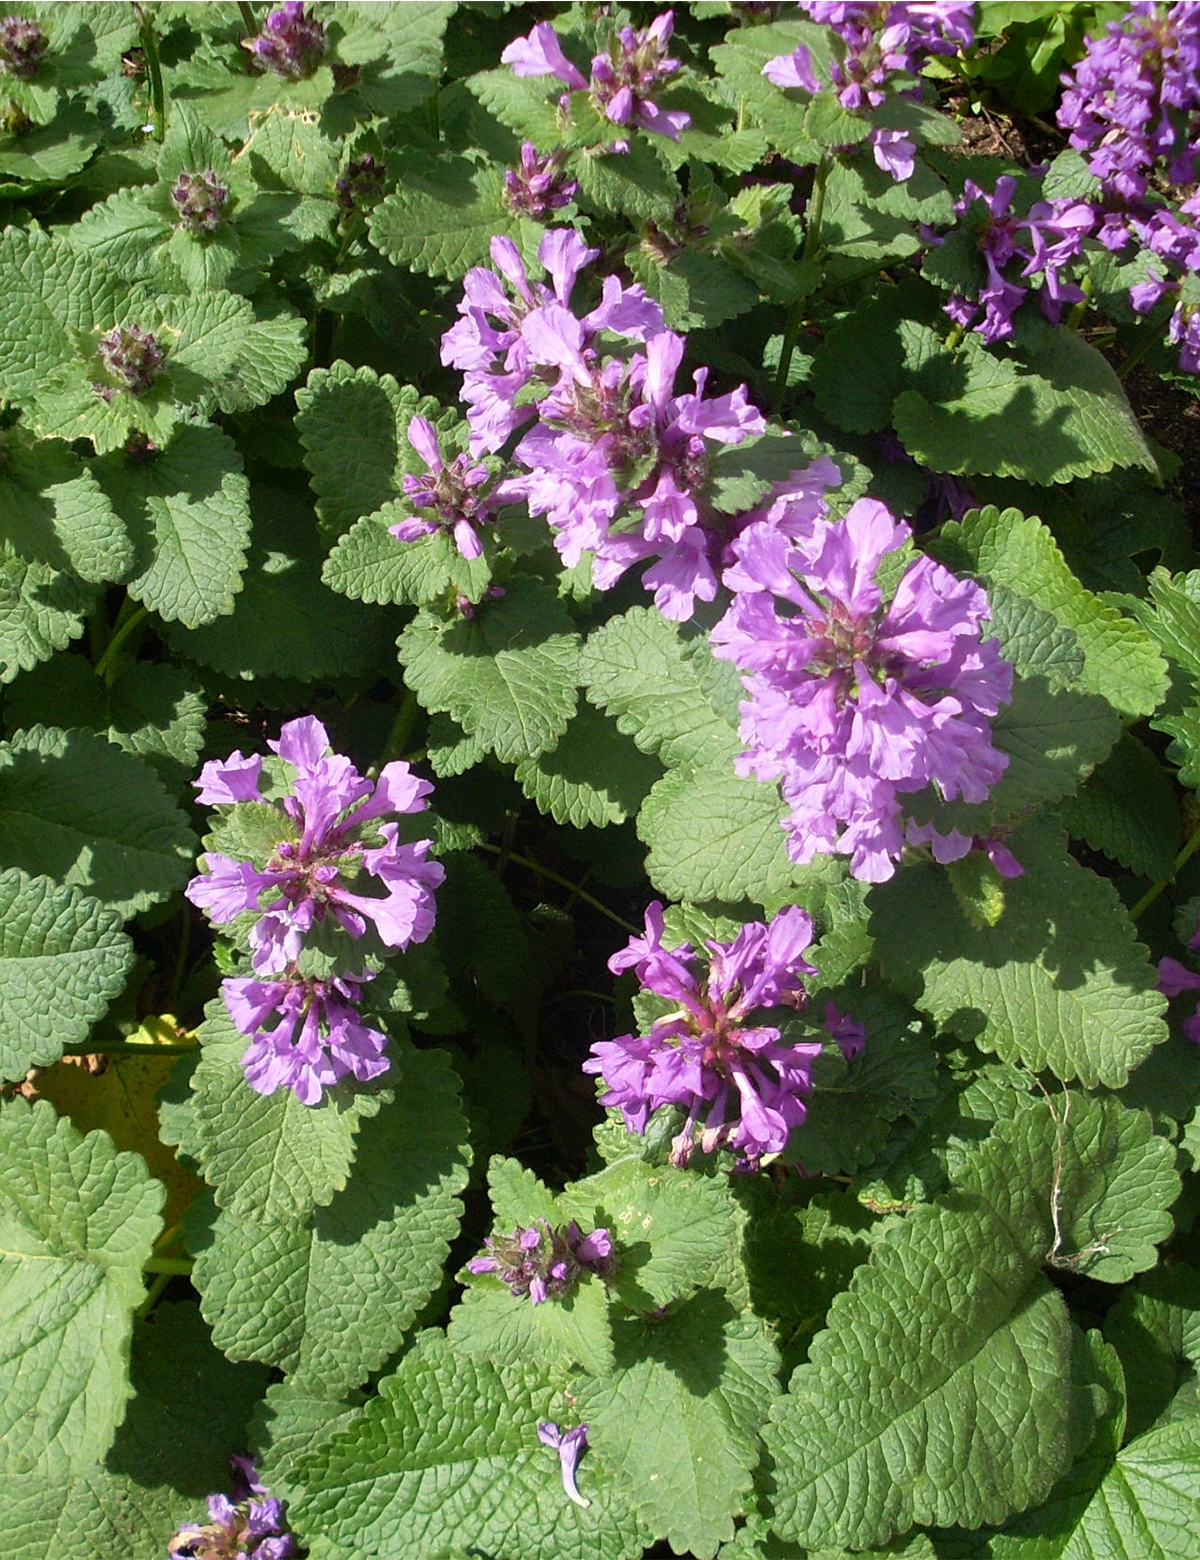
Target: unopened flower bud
[[362, 183], [292, 43], [200, 199], [132, 357], [23, 47]]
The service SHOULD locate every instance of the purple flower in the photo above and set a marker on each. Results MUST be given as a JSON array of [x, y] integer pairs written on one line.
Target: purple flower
[[540, 1261], [622, 79], [537, 187], [849, 1034], [451, 491], [570, 1446], [200, 199], [304, 1034], [132, 358], [1173, 980], [241, 1529], [23, 47], [291, 43], [881, 49], [953, 846], [362, 184], [1128, 102], [741, 1084], [334, 847], [852, 702]]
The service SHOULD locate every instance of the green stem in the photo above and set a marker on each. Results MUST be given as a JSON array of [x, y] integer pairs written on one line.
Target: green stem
[[121, 633], [1155, 889], [435, 121], [564, 882], [401, 730], [171, 1266], [1076, 317], [249, 20], [812, 234], [957, 332], [169, 1237], [125, 1048], [1149, 341], [158, 96], [152, 1294]]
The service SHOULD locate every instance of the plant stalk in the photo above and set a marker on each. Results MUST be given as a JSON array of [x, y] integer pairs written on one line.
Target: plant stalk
[[1155, 889], [158, 96], [565, 882]]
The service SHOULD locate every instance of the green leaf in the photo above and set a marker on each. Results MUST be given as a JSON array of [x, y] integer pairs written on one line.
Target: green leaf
[[369, 564], [1128, 810], [447, 1457], [72, 806], [63, 958], [444, 217], [1106, 1181], [352, 423], [55, 512], [713, 835], [1155, 1328], [89, 1515], [285, 621], [330, 1295], [636, 668], [163, 1440], [678, 1419], [1121, 662], [1060, 982], [272, 349], [635, 184], [594, 776], [153, 711], [674, 1232], [939, 1393], [481, 933], [267, 1155], [528, 105], [1062, 415], [853, 1104], [1138, 1503], [187, 508], [740, 59], [507, 675], [48, 292], [868, 357], [509, 1330], [41, 611], [77, 1221]]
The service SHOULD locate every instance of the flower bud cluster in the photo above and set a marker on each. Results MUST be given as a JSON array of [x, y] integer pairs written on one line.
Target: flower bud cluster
[[537, 187], [200, 199], [336, 845], [542, 1262], [23, 47], [132, 358], [292, 42]]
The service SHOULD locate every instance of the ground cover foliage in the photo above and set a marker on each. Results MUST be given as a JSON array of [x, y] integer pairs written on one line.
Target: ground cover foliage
[[393, 633]]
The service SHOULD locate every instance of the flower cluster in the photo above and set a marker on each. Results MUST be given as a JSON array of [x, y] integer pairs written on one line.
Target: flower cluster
[[622, 79], [540, 1261], [132, 358], [854, 701], [882, 45], [741, 1083], [336, 842], [1043, 244], [616, 459], [362, 184], [452, 492], [200, 199], [241, 1528], [292, 42], [23, 47]]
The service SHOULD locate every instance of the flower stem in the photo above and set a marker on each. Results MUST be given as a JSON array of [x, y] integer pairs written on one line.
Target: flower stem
[[249, 20], [126, 1048], [957, 332], [564, 882], [168, 1266], [152, 1294], [812, 234], [1076, 317], [1148, 341], [158, 96], [121, 633], [1155, 889], [402, 725]]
